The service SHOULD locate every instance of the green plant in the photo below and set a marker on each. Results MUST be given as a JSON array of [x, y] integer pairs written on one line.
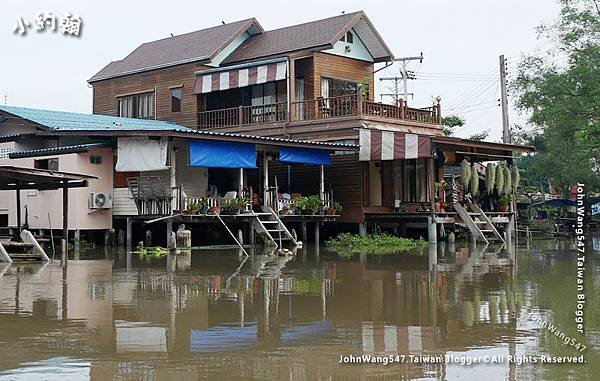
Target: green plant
[[194, 207], [346, 245], [309, 204], [545, 226], [83, 244], [151, 251], [363, 86], [337, 207], [500, 178], [490, 178], [516, 176], [507, 180], [506, 199], [465, 174], [474, 182]]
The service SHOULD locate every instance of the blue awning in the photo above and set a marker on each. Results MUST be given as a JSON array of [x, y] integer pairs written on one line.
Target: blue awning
[[216, 154], [304, 156]]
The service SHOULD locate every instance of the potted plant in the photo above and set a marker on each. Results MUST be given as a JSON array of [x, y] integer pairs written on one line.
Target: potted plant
[[215, 209], [193, 207], [337, 208], [504, 203], [315, 205], [301, 204], [202, 206]]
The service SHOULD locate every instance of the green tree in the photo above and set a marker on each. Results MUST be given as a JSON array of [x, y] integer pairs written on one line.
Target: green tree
[[451, 121], [563, 100]]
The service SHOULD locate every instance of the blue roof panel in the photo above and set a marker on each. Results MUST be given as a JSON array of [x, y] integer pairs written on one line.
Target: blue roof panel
[[71, 121]]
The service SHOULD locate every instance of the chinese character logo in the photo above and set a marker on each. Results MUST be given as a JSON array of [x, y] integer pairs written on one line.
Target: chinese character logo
[[69, 24]]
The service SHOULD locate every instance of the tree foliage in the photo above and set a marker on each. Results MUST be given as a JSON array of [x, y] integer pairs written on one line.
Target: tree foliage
[[562, 98], [451, 121]]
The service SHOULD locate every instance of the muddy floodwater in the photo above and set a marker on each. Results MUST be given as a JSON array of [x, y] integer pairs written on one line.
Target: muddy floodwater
[[217, 314]]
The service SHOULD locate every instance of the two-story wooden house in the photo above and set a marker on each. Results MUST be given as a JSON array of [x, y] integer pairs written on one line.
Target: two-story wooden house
[[312, 81]]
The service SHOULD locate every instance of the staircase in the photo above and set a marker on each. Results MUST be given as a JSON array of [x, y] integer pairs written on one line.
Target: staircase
[[28, 250], [478, 223], [272, 230]]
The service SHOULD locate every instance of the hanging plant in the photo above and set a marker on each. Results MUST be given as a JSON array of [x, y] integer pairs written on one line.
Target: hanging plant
[[507, 180], [474, 182], [465, 174], [500, 178], [516, 176], [490, 177]]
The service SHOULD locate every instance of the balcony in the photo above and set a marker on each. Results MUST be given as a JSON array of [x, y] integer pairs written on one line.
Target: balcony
[[347, 106]]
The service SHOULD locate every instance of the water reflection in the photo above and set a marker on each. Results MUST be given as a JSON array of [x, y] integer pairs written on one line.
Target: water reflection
[[223, 314]]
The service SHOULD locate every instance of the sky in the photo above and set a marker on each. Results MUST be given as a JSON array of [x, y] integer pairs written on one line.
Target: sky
[[461, 41]]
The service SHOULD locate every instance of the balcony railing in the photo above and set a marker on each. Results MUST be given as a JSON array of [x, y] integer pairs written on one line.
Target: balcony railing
[[243, 115], [316, 109]]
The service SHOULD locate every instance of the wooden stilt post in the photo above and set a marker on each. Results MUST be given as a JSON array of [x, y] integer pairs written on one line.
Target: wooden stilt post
[[169, 233]]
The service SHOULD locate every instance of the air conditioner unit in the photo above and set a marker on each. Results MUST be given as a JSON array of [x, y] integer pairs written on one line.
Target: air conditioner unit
[[100, 200]]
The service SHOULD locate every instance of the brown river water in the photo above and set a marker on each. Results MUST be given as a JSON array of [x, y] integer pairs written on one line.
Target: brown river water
[[217, 314]]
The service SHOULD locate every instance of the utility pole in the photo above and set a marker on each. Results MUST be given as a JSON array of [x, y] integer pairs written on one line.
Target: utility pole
[[504, 101], [396, 93], [405, 74]]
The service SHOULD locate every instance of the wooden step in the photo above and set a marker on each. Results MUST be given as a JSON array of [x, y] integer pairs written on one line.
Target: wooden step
[[24, 245], [269, 222], [25, 257]]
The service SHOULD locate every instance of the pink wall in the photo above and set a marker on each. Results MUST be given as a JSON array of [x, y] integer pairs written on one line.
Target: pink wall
[[40, 203]]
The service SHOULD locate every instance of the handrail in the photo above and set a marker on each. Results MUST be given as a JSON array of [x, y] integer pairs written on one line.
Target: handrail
[[315, 109]]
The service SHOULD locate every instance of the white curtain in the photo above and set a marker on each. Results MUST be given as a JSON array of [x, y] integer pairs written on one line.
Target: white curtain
[[141, 154], [325, 87], [126, 107], [299, 98]]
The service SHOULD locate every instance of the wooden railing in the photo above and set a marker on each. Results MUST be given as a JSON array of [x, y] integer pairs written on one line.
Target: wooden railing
[[315, 109], [243, 115]]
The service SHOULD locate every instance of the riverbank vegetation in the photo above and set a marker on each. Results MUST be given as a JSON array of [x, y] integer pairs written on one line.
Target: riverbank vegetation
[[346, 245]]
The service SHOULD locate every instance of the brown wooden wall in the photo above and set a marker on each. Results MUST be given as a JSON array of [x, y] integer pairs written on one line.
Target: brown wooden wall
[[162, 80], [332, 66]]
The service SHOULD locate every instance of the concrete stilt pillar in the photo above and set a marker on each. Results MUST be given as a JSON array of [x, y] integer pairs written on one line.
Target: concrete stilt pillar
[[240, 236], [63, 252], [129, 233], [184, 237], [432, 230], [107, 238], [251, 235], [77, 244], [169, 231], [317, 233], [121, 238], [304, 233], [362, 229], [148, 238]]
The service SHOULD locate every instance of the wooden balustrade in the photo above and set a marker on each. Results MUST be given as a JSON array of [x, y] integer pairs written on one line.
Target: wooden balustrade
[[243, 115], [315, 109]]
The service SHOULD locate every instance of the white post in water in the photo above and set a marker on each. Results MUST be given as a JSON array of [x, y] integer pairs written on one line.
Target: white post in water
[[241, 183], [174, 193], [432, 230], [266, 179], [322, 183]]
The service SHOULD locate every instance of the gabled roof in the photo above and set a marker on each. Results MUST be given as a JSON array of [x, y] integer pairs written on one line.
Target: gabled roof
[[92, 125], [319, 34], [198, 46]]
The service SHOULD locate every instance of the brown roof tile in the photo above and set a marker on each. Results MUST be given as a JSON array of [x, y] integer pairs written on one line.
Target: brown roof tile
[[190, 47], [293, 38]]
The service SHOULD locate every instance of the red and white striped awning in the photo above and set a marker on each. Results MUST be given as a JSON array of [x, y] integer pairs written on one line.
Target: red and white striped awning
[[392, 145], [217, 80]]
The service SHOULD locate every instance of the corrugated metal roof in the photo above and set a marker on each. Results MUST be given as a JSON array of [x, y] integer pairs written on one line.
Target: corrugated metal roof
[[71, 121], [87, 124], [78, 148], [185, 48]]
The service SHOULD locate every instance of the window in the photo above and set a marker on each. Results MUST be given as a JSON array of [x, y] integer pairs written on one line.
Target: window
[[410, 180], [95, 159], [4, 152], [349, 37], [345, 141], [49, 164], [137, 106], [333, 87], [268, 93], [176, 100]]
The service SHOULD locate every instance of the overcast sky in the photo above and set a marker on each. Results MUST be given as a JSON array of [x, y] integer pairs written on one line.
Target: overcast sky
[[460, 39]]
